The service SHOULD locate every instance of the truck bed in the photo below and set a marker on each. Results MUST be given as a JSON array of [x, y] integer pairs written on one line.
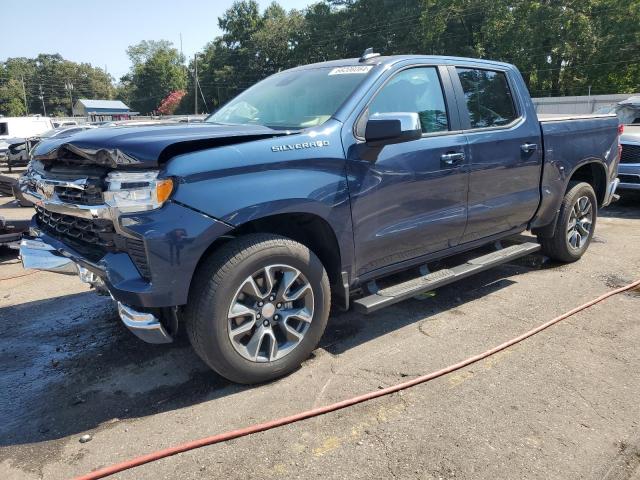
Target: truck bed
[[556, 117], [571, 141]]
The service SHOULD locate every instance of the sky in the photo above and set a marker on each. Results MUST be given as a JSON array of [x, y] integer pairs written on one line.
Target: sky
[[99, 31]]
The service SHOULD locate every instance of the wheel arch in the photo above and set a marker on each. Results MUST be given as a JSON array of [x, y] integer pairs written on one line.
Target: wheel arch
[[594, 173], [309, 229]]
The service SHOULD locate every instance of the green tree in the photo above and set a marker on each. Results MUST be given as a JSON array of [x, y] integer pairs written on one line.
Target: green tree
[[45, 78], [11, 102], [157, 69]]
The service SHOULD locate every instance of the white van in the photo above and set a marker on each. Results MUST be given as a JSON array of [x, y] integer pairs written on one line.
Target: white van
[[21, 127]]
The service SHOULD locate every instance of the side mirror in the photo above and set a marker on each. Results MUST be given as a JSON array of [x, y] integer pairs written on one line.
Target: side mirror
[[389, 128]]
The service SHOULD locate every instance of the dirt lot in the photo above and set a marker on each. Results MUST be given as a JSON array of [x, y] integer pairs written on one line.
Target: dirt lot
[[562, 405]]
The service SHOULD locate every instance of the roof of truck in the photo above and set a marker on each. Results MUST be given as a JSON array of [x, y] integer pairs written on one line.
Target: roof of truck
[[391, 59]]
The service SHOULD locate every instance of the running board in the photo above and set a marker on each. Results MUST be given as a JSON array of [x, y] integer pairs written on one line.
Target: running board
[[402, 291]]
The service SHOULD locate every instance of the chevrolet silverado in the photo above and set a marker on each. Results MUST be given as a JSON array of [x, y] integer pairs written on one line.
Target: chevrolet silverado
[[315, 187]]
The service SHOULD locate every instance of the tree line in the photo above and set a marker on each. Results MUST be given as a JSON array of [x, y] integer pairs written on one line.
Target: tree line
[[562, 47]]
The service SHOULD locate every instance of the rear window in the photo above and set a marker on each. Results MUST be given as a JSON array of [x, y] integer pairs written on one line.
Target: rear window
[[488, 97], [4, 128]]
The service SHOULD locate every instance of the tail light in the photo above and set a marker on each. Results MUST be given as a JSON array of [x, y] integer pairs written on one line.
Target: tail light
[[620, 132]]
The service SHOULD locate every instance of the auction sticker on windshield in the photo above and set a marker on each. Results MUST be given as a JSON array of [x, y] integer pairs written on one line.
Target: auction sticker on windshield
[[352, 69]]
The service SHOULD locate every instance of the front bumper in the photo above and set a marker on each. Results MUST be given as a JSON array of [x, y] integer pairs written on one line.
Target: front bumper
[[174, 238], [145, 326], [610, 195], [38, 255], [629, 176]]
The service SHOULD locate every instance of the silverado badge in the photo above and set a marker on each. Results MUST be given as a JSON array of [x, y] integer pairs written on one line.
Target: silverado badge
[[298, 146]]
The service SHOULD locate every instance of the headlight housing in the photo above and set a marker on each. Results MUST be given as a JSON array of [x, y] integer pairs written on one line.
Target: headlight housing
[[137, 191]]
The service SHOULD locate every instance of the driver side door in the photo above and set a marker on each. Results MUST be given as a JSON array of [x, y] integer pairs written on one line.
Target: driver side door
[[409, 199]]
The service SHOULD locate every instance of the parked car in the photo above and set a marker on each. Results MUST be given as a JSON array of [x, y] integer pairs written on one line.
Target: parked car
[[20, 127], [19, 148], [311, 188], [18, 151], [12, 127], [629, 112], [9, 187], [11, 232]]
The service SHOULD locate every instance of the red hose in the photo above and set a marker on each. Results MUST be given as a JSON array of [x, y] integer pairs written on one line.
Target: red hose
[[261, 427]]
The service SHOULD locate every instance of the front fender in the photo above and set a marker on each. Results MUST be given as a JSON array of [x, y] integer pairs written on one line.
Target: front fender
[[242, 183]]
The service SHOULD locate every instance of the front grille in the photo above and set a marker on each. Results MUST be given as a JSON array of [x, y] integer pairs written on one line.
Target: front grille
[[138, 254], [630, 154], [90, 195], [91, 237], [629, 178]]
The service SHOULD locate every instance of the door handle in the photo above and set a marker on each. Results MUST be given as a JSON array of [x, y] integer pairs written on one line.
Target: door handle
[[528, 147], [452, 158]]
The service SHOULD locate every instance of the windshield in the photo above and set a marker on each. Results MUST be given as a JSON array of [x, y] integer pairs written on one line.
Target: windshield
[[288, 100]]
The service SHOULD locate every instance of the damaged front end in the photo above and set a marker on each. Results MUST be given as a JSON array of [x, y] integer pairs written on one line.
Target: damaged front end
[[103, 212]]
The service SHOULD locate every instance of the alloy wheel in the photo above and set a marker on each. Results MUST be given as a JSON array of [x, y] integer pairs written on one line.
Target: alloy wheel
[[270, 313], [580, 223]]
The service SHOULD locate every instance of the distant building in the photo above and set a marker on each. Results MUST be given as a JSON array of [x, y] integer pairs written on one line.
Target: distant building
[[99, 110]]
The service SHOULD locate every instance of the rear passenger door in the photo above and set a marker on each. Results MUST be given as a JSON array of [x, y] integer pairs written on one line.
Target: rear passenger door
[[505, 158]]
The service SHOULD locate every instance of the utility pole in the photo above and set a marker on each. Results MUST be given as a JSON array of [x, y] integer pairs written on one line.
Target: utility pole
[[69, 87], [44, 109], [24, 94], [195, 84]]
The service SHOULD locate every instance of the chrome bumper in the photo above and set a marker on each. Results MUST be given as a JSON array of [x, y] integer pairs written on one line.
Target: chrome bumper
[[611, 192], [629, 186], [145, 326], [38, 255]]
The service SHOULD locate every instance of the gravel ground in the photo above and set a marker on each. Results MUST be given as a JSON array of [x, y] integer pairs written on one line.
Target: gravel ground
[[561, 405]]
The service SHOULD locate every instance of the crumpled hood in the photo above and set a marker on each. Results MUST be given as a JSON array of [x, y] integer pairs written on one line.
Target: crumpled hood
[[145, 146]]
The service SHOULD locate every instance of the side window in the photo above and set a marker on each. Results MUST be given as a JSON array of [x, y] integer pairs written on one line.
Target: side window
[[414, 90], [488, 97]]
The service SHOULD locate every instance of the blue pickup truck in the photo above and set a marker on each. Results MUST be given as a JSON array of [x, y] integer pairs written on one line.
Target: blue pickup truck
[[315, 187]]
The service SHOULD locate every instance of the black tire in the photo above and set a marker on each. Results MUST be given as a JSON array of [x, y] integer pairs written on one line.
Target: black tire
[[558, 247], [215, 286]]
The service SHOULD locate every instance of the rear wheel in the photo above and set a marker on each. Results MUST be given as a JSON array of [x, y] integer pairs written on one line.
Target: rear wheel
[[575, 225], [258, 307]]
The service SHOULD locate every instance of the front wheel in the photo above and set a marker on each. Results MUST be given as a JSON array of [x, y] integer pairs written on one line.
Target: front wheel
[[258, 307], [575, 225]]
